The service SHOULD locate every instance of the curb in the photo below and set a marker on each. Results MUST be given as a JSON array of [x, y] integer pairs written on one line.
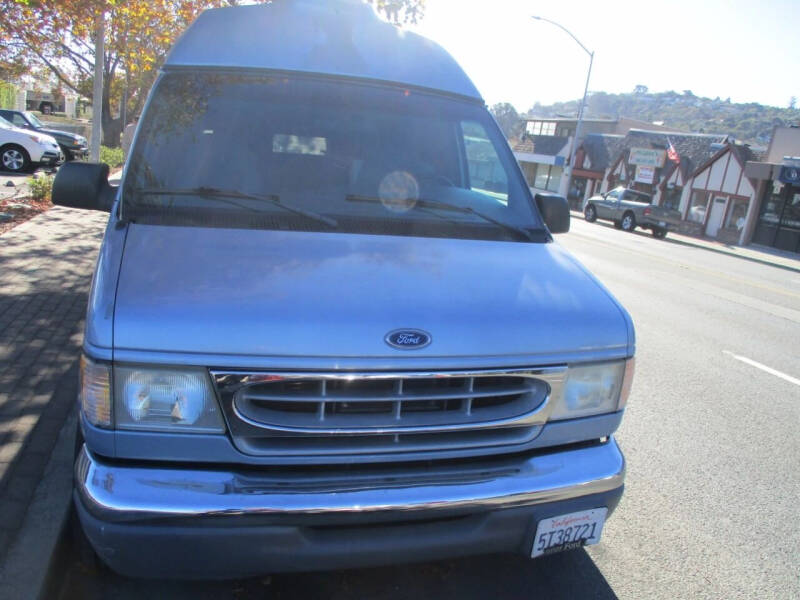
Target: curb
[[24, 574], [689, 242]]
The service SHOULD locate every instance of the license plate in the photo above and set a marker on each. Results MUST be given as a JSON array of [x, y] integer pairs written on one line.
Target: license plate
[[566, 532], [662, 224]]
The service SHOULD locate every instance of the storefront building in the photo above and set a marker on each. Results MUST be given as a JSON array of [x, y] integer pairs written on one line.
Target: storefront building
[[546, 148], [542, 159], [592, 159], [720, 195]]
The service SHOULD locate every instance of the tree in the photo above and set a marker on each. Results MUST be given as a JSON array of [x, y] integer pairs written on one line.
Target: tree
[[507, 118], [640, 89], [792, 102], [59, 35]]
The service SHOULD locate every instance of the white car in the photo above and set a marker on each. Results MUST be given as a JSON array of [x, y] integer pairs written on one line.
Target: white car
[[21, 150]]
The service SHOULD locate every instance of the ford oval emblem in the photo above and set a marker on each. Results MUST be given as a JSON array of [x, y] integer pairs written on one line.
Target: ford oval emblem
[[408, 339]]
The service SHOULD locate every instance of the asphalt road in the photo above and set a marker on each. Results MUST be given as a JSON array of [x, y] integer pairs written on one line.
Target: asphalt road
[[710, 435]]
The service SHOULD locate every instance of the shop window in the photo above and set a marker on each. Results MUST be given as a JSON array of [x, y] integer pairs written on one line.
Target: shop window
[[772, 206], [672, 198], [698, 207], [542, 174], [791, 213], [555, 179], [529, 171], [737, 212]]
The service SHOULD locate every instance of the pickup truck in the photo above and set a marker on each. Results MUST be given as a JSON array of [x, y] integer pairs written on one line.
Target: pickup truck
[[629, 209], [357, 343]]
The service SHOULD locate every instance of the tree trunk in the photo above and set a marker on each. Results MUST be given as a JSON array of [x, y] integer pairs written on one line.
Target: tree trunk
[[112, 128]]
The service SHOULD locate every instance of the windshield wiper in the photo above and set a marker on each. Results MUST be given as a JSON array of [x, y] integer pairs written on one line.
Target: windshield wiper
[[228, 195], [428, 203]]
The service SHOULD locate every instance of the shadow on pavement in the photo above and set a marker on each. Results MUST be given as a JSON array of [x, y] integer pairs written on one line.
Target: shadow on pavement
[[569, 575]]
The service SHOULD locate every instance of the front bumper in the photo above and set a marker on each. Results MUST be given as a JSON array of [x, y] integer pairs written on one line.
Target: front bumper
[[193, 523], [49, 157], [76, 151]]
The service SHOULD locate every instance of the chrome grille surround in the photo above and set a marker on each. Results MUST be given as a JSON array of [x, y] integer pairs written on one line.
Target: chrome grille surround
[[283, 413]]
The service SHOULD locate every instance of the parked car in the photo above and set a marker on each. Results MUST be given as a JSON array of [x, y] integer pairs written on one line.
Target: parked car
[[22, 150], [384, 357], [72, 145], [629, 209]]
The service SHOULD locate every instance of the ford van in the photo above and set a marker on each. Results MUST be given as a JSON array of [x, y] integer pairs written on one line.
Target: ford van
[[329, 324]]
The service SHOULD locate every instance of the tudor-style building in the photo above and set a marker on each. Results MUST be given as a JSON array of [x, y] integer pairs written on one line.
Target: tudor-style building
[[719, 195], [705, 179], [642, 162], [545, 148]]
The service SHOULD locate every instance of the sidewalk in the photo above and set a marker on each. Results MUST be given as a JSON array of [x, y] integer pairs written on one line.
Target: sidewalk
[[755, 253], [46, 267]]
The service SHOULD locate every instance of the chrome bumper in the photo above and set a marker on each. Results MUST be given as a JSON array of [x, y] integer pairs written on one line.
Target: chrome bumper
[[126, 493]]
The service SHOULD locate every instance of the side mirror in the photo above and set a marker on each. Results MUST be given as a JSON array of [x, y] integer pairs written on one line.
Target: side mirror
[[555, 212], [83, 185]]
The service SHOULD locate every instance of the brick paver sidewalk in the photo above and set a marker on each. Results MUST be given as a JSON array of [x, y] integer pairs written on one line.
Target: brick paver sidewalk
[[46, 268]]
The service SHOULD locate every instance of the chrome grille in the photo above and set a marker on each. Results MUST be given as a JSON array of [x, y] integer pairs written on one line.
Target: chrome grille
[[359, 413]]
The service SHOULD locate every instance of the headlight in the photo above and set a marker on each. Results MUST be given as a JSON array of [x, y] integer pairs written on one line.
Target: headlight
[[95, 392], [594, 389], [165, 399]]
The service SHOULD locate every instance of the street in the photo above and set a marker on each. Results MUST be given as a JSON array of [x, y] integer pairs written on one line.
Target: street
[[710, 436]]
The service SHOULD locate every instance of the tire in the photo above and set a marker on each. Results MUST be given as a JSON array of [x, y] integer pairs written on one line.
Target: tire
[[68, 156], [14, 158], [590, 214], [617, 225], [659, 233], [628, 222]]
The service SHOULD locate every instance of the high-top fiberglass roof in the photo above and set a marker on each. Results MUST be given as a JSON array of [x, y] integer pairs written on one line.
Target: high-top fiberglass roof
[[332, 37]]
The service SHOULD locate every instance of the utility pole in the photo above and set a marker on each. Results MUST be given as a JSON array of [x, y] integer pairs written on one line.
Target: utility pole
[[566, 179], [97, 92]]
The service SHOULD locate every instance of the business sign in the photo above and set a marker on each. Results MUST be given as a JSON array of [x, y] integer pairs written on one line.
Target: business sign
[[790, 174], [647, 157], [645, 174]]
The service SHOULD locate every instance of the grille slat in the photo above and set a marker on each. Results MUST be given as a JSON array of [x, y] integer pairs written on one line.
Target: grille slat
[[325, 414], [366, 397]]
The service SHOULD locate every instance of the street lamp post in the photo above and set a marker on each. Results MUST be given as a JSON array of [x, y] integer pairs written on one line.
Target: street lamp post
[[578, 127]]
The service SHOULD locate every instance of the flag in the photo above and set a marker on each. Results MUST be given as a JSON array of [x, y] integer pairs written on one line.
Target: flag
[[672, 154]]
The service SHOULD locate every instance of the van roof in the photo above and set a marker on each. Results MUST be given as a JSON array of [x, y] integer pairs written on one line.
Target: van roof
[[331, 37]]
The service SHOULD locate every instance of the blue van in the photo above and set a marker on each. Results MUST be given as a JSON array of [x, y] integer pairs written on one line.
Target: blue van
[[329, 325]]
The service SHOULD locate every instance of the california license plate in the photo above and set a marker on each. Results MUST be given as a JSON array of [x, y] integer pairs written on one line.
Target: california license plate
[[565, 532]]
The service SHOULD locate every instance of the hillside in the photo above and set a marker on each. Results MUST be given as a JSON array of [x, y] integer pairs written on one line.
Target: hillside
[[751, 122]]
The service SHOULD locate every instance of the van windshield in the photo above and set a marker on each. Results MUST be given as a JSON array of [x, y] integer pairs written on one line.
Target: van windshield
[[218, 149]]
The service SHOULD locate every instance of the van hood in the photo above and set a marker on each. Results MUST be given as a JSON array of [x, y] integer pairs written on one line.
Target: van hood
[[256, 293]]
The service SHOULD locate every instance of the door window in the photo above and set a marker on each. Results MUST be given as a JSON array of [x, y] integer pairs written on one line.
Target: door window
[[17, 120], [486, 172]]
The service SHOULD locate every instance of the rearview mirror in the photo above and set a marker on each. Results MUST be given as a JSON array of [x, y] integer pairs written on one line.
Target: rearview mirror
[[555, 212], [83, 185]]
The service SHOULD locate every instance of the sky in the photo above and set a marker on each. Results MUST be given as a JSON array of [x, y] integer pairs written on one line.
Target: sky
[[748, 50]]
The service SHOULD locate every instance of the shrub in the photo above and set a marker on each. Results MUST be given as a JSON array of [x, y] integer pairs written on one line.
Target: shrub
[[113, 157], [41, 187]]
